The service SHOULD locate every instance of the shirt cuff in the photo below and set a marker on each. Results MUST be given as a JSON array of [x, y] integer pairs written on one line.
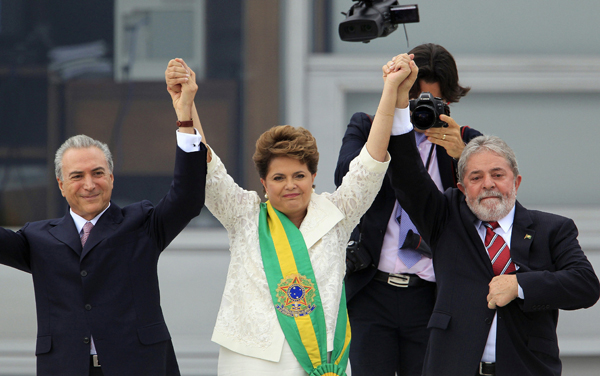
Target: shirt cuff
[[373, 164], [402, 122], [520, 294], [189, 142]]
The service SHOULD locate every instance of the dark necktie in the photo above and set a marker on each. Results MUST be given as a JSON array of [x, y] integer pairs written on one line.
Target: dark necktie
[[409, 256], [86, 232], [498, 250]]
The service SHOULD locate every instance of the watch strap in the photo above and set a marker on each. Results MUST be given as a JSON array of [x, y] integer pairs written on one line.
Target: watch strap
[[186, 123]]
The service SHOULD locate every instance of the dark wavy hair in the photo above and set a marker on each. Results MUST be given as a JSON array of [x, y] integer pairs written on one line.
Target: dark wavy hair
[[288, 141], [436, 64]]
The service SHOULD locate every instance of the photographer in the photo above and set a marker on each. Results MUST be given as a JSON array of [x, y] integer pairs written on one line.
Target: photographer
[[390, 282]]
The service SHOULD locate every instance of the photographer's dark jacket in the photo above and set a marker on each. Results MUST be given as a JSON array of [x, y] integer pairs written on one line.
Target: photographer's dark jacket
[[374, 223]]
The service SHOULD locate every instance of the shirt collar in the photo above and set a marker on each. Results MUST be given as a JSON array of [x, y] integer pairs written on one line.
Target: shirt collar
[[420, 138], [80, 221], [504, 223]]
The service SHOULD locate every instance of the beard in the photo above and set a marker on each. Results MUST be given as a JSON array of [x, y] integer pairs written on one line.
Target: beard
[[492, 209]]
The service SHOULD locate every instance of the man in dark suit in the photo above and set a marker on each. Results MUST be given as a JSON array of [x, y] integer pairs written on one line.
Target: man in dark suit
[[502, 271], [95, 270], [389, 302]]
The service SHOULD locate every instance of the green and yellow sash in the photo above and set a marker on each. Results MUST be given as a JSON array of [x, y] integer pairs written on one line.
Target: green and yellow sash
[[296, 296]]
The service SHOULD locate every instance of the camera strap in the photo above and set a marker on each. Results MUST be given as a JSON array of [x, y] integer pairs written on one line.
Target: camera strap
[[429, 157], [420, 138]]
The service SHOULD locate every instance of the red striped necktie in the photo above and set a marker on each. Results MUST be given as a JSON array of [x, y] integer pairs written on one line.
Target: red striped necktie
[[498, 250]]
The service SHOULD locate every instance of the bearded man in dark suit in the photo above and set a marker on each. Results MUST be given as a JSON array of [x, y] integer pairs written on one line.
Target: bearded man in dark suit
[[502, 271]]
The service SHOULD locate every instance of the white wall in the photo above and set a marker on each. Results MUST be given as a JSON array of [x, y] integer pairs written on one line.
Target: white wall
[[509, 27]]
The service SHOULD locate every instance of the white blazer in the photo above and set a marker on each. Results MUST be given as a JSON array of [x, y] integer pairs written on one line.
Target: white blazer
[[247, 322]]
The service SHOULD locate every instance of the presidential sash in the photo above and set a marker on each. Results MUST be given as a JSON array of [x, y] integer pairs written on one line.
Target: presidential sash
[[296, 296]]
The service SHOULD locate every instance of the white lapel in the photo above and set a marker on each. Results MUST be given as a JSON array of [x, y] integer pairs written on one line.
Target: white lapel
[[322, 215]]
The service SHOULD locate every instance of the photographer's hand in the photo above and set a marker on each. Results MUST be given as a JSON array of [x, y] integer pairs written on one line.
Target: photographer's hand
[[447, 137]]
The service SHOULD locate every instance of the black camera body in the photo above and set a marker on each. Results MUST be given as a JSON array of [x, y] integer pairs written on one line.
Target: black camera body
[[426, 111], [370, 19], [357, 257]]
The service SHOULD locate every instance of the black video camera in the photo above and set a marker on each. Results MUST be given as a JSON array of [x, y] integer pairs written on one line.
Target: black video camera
[[370, 19], [426, 111]]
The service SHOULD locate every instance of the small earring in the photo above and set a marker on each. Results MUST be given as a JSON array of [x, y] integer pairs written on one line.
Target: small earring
[[266, 195], [313, 190]]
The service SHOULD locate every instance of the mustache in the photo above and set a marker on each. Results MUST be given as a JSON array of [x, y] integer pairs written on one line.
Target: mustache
[[488, 194]]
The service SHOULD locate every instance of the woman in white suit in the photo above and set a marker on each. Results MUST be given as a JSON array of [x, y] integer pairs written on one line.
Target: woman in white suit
[[283, 310]]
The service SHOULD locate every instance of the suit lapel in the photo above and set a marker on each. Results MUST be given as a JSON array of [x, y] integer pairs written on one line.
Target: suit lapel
[[65, 231], [106, 225], [522, 237], [321, 217], [469, 220]]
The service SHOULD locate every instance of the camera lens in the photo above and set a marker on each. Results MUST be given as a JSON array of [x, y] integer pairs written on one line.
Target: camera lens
[[423, 117]]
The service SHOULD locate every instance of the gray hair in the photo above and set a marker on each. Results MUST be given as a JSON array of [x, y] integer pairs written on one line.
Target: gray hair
[[487, 143], [80, 142]]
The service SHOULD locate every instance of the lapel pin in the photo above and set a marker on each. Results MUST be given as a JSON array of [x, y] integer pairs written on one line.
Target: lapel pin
[[527, 236]]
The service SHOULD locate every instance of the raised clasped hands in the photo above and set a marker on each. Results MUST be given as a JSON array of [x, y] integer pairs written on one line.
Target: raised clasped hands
[[403, 72], [448, 137], [182, 86]]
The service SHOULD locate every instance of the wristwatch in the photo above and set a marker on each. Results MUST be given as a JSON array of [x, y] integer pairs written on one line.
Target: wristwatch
[[186, 123]]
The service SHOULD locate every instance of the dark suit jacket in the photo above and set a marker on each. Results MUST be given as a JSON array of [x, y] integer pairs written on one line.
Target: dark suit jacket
[[554, 274], [374, 223], [109, 289]]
